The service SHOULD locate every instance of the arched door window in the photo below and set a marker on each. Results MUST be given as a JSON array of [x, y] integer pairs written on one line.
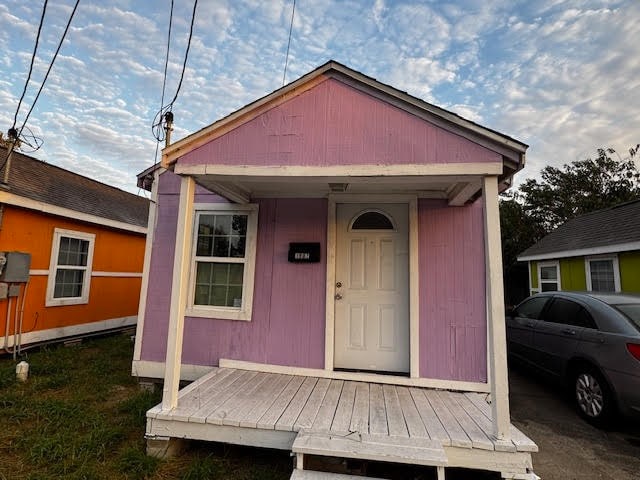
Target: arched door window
[[372, 220]]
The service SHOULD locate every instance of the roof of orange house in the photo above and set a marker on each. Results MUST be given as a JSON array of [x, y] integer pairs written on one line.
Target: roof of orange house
[[36, 180]]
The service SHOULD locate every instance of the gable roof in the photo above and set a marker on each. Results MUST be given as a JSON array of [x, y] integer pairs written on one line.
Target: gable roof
[[609, 230], [512, 150], [35, 184]]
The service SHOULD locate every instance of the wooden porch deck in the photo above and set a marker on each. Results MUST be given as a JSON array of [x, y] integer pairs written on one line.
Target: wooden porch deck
[[405, 424]]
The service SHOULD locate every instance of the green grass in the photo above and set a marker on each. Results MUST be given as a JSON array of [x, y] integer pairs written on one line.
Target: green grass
[[81, 416]]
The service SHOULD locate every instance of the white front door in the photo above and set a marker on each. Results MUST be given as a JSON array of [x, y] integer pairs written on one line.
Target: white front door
[[372, 287]]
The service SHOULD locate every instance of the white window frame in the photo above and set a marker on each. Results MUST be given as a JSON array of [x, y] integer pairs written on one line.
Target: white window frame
[[549, 264], [226, 313], [58, 233], [616, 270]]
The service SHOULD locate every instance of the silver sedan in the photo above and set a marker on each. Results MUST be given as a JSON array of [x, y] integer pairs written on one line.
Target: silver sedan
[[589, 341]]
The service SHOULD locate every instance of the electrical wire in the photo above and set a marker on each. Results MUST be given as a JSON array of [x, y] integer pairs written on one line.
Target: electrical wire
[[46, 76], [157, 130], [33, 58], [286, 59], [157, 127]]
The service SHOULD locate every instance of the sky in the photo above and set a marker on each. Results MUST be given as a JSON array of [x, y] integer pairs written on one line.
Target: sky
[[561, 76]]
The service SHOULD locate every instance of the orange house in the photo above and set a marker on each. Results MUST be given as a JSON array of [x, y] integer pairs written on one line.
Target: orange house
[[71, 254]]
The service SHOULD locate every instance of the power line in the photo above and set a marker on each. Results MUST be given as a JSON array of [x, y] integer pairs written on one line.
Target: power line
[[157, 130], [33, 57], [55, 55], [286, 60], [35, 100], [157, 127]]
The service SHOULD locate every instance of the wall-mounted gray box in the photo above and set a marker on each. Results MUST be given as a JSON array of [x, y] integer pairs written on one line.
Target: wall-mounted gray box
[[16, 269]]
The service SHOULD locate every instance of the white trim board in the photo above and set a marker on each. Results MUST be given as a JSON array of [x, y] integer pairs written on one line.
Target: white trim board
[[18, 201], [150, 369], [151, 230], [357, 376], [346, 171], [38, 273], [621, 247], [73, 330]]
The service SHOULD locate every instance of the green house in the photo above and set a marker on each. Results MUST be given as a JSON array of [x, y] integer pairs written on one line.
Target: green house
[[596, 252]]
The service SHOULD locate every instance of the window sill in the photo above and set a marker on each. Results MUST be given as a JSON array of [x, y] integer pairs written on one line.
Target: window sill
[[63, 302], [218, 313]]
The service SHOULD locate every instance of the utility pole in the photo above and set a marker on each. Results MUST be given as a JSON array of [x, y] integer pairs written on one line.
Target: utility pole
[[12, 137], [168, 128]]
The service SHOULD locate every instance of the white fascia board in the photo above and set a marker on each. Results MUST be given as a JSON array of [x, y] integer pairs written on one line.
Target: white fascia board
[[621, 247], [423, 170], [23, 202]]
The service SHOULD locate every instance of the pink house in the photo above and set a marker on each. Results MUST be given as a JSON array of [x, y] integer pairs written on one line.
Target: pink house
[[325, 264]]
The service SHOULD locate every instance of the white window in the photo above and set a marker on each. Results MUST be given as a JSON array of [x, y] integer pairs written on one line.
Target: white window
[[549, 277], [603, 274], [223, 253], [70, 268]]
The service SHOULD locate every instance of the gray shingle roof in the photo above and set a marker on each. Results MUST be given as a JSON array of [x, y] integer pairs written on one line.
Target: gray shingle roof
[[607, 227], [43, 182]]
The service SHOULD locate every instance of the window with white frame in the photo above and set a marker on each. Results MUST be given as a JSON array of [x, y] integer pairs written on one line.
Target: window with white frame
[[70, 268], [549, 276], [223, 262], [602, 274]]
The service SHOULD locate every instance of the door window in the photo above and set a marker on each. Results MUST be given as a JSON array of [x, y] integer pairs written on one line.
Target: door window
[[549, 277], [531, 308], [567, 312]]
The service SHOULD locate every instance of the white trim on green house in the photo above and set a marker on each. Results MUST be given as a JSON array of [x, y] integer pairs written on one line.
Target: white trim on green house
[[583, 252]]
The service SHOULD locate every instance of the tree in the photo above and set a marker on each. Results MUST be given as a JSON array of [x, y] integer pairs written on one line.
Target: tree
[[580, 187], [561, 194]]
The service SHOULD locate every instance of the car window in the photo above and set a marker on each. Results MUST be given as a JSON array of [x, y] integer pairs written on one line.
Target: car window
[[584, 319], [562, 311], [632, 311], [531, 308]]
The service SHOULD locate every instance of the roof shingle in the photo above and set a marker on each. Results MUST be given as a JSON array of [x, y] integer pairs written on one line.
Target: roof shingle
[[36, 180], [607, 227]]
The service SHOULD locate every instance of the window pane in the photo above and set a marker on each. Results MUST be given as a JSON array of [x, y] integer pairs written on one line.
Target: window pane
[[236, 273], [204, 247], [221, 247], [549, 286], [73, 251], [68, 283], [237, 246], [223, 225], [532, 308], [602, 279], [234, 297], [549, 273], [219, 284], [239, 225], [372, 221]]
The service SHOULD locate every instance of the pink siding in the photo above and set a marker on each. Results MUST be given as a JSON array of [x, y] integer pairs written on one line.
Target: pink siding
[[335, 124], [453, 336], [287, 327]]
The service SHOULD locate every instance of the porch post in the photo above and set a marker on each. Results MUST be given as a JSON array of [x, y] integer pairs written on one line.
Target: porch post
[[497, 350], [181, 263]]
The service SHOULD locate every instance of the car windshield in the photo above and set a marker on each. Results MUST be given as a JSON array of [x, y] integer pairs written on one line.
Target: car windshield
[[631, 310]]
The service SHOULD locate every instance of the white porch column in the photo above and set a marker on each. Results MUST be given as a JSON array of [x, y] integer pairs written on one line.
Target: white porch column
[[497, 348], [179, 288]]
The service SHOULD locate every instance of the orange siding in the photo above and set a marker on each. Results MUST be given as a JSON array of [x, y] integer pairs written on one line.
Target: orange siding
[[109, 297]]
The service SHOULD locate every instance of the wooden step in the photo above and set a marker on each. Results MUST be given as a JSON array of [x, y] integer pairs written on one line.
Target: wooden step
[[371, 447], [313, 475]]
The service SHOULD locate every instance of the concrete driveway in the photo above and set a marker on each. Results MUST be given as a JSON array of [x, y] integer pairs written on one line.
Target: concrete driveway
[[570, 448]]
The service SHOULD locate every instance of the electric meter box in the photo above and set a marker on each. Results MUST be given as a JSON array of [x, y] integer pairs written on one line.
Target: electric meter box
[[16, 267]]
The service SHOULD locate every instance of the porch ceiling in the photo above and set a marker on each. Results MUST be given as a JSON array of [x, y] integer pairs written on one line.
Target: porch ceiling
[[455, 189]]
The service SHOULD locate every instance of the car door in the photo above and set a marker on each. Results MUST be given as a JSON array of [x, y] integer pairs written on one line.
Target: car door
[[521, 325], [555, 338]]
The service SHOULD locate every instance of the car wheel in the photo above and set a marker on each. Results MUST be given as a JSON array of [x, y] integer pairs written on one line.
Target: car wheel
[[593, 397]]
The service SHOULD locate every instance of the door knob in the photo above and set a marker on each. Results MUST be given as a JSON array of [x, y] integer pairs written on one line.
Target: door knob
[[337, 296], [338, 284]]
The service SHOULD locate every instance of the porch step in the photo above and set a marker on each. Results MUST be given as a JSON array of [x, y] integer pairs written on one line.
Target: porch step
[[313, 475], [372, 447]]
